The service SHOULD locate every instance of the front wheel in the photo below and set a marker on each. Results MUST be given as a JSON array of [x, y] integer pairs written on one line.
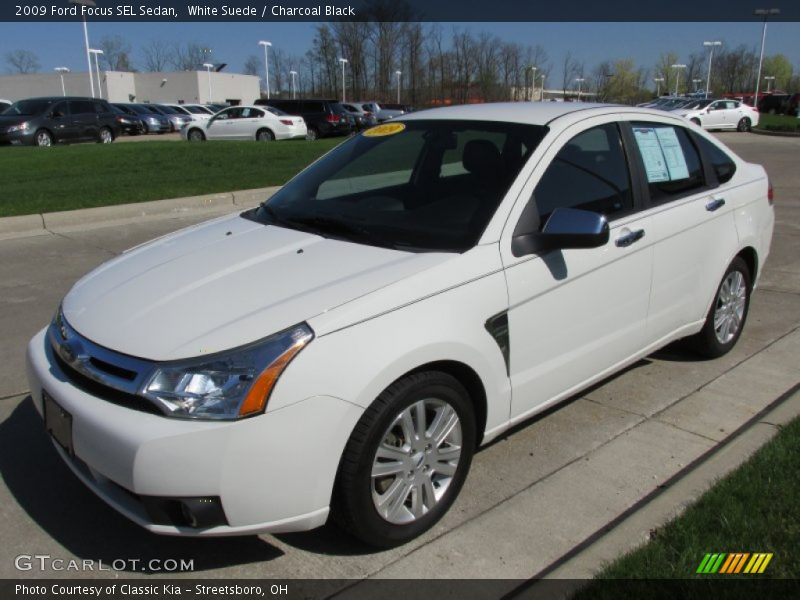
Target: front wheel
[[106, 136], [195, 135], [728, 312], [312, 134], [743, 125], [406, 459], [43, 138], [696, 121]]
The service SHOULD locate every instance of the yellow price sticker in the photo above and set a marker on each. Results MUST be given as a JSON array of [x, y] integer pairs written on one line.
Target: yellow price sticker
[[385, 129]]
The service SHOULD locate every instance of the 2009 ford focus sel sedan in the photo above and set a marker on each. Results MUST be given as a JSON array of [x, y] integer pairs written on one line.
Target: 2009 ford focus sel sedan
[[343, 349]]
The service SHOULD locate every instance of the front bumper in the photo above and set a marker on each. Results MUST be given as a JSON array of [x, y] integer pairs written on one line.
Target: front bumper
[[18, 138], [272, 473]]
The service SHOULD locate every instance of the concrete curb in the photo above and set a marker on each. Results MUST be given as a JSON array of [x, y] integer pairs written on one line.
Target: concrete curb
[[104, 216], [758, 131]]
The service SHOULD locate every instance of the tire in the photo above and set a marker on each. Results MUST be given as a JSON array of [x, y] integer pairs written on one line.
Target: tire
[[425, 481], [743, 125], [312, 134], [43, 139], [265, 135], [730, 306], [106, 136], [146, 128], [195, 135], [696, 121]]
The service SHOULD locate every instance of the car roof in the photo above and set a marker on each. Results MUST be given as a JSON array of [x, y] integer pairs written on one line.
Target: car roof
[[532, 113]]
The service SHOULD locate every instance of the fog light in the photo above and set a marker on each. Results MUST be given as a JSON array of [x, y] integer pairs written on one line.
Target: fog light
[[198, 513]]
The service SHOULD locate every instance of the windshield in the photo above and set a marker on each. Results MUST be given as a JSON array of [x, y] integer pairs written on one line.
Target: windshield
[[197, 110], [142, 110], [414, 185], [167, 110], [275, 111], [27, 108], [697, 104]]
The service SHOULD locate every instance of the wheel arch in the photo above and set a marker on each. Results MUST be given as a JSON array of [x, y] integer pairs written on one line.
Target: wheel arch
[[47, 129], [265, 128], [750, 257]]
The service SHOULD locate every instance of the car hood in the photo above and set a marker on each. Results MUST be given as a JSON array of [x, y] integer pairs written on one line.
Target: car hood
[[224, 284]]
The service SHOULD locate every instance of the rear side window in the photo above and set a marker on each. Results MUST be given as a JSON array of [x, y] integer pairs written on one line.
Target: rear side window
[[314, 107], [671, 162], [81, 107], [590, 173], [722, 164]]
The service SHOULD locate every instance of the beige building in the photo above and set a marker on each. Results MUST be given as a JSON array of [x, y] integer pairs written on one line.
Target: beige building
[[183, 86]]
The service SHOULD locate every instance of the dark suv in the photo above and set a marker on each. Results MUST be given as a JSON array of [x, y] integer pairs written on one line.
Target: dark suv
[[47, 121], [323, 117]]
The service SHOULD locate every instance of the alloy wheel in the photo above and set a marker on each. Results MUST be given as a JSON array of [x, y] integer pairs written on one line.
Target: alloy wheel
[[730, 305]]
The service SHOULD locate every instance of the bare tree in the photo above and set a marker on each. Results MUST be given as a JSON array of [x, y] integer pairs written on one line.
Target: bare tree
[[156, 55], [22, 62], [571, 69], [116, 53], [190, 56]]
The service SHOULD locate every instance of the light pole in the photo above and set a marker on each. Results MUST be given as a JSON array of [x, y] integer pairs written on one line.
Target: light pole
[[266, 63], [533, 81], [542, 78], [90, 3], [344, 62], [766, 13], [695, 82], [678, 76], [293, 74], [710, 58], [61, 71], [580, 80], [399, 75], [97, 69], [768, 79], [659, 81], [208, 67]]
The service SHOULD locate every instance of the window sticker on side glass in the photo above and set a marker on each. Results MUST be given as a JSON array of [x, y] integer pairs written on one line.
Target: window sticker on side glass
[[650, 148], [673, 153]]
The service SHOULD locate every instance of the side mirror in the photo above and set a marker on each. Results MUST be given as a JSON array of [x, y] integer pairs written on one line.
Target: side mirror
[[566, 228]]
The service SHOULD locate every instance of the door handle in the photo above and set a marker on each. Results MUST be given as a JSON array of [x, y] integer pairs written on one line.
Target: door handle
[[715, 204], [630, 238]]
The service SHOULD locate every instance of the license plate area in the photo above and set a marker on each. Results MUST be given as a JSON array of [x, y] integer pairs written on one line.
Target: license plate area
[[57, 422]]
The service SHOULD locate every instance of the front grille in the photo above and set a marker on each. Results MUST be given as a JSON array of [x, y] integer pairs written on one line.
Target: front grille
[[104, 392]]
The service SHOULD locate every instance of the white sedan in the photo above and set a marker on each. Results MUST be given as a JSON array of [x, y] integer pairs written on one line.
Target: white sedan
[[259, 123], [343, 349], [722, 114]]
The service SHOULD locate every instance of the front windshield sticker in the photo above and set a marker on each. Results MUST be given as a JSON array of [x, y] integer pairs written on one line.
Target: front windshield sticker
[[385, 129], [654, 162]]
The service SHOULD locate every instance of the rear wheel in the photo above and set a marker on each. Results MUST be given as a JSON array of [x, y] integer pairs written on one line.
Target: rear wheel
[[195, 135], [106, 136], [696, 121], [728, 312], [264, 135], [312, 134], [743, 125], [43, 138], [406, 459]]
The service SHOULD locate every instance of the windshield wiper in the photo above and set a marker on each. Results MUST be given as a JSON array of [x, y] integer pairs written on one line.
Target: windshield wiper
[[327, 225]]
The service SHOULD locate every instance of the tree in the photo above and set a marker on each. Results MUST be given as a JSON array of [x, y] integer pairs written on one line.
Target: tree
[[190, 56], [253, 65], [22, 62], [116, 53], [779, 67], [156, 56], [664, 70]]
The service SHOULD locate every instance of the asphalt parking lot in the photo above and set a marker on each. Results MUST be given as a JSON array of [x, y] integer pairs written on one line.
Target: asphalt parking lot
[[531, 496]]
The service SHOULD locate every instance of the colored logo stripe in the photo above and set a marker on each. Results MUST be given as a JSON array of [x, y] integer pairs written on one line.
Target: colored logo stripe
[[724, 563]]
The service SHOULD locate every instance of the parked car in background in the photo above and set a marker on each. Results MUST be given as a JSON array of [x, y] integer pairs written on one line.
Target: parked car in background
[[215, 108], [345, 348], [774, 104], [323, 118], [129, 123], [722, 114], [176, 119], [695, 104], [51, 120], [381, 111], [4, 104], [363, 118], [154, 122], [198, 112], [246, 123]]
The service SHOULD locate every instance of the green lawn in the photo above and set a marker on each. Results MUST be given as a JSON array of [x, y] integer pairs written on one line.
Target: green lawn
[[778, 123], [36, 180], [756, 508]]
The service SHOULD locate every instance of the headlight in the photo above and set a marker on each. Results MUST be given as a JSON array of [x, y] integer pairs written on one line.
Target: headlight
[[228, 385], [20, 127]]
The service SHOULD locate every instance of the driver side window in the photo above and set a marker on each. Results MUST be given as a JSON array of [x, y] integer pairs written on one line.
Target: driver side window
[[590, 173]]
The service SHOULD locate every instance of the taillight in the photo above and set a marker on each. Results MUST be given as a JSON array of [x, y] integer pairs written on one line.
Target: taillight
[[770, 193], [333, 118], [286, 122]]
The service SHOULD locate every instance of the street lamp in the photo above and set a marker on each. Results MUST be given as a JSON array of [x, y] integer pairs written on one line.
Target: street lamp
[[399, 74], [768, 79], [580, 80], [293, 74], [678, 76], [208, 67], [695, 82], [61, 71], [542, 78], [659, 81], [533, 81], [266, 63], [766, 13], [710, 58], [344, 62], [97, 68], [90, 3]]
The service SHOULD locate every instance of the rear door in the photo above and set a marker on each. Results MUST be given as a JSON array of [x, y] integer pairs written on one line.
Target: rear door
[[84, 119], [222, 126], [60, 122]]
